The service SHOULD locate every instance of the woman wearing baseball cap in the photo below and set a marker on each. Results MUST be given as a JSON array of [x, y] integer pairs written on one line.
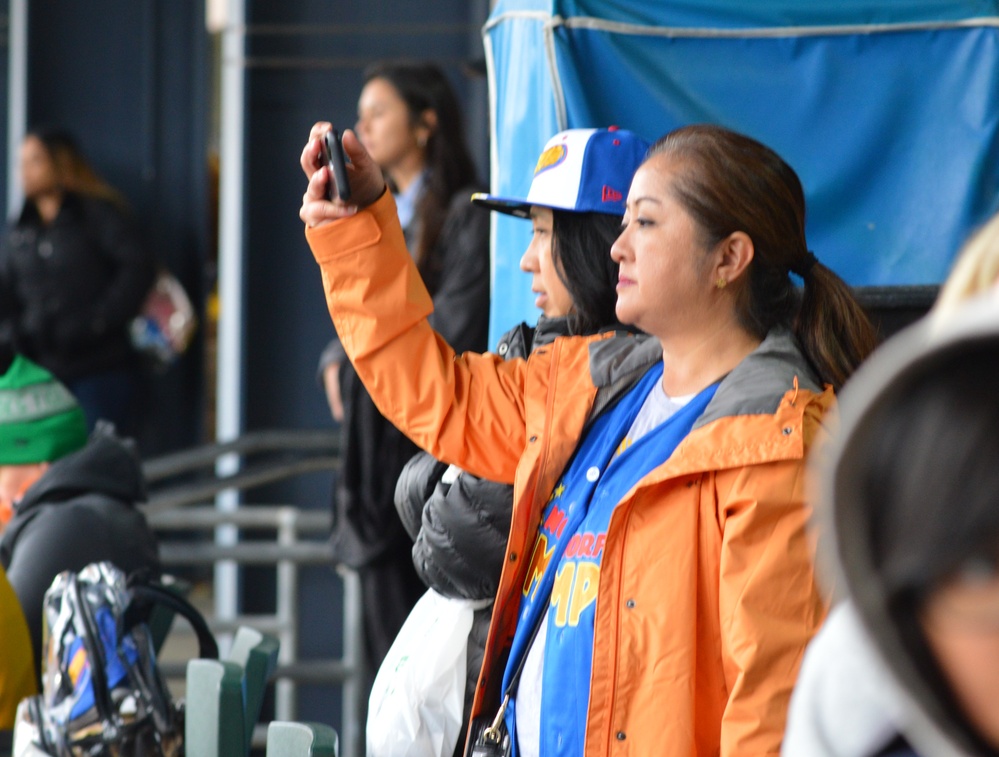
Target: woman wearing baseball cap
[[658, 589], [459, 522]]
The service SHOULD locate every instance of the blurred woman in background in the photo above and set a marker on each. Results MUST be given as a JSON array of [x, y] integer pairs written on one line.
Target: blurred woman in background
[[76, 273], [410, 121]]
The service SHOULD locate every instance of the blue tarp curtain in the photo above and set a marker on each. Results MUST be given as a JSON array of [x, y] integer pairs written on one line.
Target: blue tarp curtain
[[888, 111]]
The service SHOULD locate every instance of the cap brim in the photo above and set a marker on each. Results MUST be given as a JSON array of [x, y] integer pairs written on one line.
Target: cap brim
[[508, 205]]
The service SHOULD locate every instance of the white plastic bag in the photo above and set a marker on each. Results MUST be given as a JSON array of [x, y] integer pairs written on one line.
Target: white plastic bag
[[416, 702]]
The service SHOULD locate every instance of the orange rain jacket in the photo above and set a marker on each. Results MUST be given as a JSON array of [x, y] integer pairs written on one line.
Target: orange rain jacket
[[707, 596]]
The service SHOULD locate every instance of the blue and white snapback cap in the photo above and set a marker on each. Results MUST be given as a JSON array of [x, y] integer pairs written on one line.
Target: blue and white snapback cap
[[580, 170]]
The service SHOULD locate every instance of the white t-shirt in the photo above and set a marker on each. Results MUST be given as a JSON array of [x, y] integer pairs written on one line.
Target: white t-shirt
[[658, 408]]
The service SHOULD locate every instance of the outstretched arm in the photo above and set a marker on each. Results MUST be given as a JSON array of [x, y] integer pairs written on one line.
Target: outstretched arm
[[467, 410]]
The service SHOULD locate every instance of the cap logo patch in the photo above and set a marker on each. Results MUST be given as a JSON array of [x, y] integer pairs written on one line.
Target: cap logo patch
[[609, 194], [550, 158]]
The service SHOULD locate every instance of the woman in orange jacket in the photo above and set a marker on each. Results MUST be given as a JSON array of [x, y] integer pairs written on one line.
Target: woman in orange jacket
[[658, 588]]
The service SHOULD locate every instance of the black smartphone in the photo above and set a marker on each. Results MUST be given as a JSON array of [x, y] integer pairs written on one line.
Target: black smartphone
[[333, 156]]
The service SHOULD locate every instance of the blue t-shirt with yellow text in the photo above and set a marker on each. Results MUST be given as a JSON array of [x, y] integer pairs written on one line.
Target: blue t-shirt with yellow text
[[564, 572]]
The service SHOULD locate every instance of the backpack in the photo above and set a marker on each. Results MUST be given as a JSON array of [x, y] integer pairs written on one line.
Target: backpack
[[102, 693]]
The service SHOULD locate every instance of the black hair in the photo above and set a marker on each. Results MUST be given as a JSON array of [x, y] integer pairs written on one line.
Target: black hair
[[581, 245], [424, 86], [75, 171], [922, 465], [932, 502]]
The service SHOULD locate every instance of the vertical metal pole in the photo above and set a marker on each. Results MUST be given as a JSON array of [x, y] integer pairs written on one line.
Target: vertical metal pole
[[229, 378], [17, 99], [285, 694], [353, 708]]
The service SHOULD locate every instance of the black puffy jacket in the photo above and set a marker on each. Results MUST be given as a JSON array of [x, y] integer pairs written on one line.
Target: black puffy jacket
[[459, 523], [72, 286]]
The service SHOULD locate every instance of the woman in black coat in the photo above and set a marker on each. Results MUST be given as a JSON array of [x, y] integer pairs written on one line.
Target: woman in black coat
[[410, 122], [74, 273]]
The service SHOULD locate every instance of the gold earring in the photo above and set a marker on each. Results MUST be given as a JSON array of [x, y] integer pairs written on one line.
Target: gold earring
[[721, 283]]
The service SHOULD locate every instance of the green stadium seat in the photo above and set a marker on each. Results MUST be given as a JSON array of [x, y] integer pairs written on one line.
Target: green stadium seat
[[224, 698], [256, 653], [214, 724], [288, 739]]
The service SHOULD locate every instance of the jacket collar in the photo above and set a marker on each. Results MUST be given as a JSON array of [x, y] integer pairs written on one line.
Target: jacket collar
[[616, 363], [755, 386]]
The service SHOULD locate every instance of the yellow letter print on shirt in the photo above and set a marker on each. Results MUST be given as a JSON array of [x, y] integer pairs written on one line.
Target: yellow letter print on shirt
[[575, 589], [539, 561]]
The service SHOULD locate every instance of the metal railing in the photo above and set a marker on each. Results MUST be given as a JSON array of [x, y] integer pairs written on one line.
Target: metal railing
[[182, 488]]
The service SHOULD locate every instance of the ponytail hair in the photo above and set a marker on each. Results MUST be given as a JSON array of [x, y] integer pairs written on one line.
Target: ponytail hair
[[729, 182], [832, 328]]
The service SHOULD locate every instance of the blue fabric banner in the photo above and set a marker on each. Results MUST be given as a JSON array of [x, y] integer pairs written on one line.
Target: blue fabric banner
[[726, 14], [888, 111]]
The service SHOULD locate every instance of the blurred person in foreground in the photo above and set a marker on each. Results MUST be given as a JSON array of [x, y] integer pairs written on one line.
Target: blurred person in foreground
[[910, 526], [658, 543], [18, 678]]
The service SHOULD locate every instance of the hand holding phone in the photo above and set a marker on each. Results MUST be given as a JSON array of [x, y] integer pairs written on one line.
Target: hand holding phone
[[366, 179], [334, 158]]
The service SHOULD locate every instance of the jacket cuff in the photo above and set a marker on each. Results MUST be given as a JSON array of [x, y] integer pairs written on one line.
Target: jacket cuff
[[355, 232]]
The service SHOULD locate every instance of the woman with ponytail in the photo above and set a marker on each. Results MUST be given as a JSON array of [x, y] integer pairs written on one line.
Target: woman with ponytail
[[730, 183], [658, 586]]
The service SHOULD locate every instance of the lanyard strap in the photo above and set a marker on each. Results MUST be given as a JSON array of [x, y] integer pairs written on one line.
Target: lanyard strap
[[492, 733]]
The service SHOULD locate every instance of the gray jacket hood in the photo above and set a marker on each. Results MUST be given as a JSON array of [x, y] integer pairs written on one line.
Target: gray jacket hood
[[754, 386], [845, 547]]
